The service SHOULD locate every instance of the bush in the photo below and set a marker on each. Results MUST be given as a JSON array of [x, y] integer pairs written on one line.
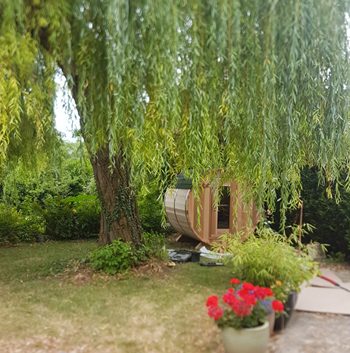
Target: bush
[[16, 227], [113, 258], [330, 218], [120, 256], [75, 217], [150, 210], [21, 186], [268, 260], [153, 247]]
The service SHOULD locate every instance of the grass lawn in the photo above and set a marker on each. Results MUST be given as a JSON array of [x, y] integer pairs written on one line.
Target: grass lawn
[[47, 309]]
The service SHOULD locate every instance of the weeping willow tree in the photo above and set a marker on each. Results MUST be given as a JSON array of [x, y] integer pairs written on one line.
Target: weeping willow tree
[[248, 90]]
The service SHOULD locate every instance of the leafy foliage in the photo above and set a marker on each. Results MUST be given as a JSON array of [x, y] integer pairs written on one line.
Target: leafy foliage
[[113, 258], [119, 256], [268, 260], [153, 246], [255, 89], [16, 227], [151, 209], [75, 217], [330, 218], [22, 186], [57, 196]]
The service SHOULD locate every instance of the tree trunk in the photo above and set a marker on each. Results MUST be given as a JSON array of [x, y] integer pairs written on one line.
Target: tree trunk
[[119, 215]]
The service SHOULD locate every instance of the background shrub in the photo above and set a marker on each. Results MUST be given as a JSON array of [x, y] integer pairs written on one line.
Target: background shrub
[[16, 227], [151, 209], [153, 246], [20, 186], [60, 198], [75, 217], [64, 198], [330, 218]]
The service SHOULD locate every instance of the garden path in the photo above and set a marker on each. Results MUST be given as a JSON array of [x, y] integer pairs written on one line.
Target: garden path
[[316, 333], [313, 333]]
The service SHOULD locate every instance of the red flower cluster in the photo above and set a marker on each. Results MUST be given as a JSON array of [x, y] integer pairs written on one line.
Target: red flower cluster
[[235, 281], [277, 306], [215, 312], [213, 300], [242, 300]]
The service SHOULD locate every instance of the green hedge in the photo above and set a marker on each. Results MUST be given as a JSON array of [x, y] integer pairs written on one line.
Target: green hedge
[[330, 219], [75, 217], [16, 227], [150, 209]]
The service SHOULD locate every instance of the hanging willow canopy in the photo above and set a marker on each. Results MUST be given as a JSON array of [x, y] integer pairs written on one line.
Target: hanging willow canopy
[[251, 89]]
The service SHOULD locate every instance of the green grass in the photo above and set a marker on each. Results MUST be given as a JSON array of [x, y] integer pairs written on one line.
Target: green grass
[[34, 261], [44, 311]]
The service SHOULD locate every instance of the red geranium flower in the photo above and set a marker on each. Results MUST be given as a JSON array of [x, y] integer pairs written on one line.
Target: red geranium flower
[[213, 300], [250, 299], [268, 292], [241, 308], [229, 297], [262, 292], [215, 312], [248, 286], [277, 305], [235, 281]]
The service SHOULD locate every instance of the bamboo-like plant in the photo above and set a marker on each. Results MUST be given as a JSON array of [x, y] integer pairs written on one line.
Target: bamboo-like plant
[[269, 260]]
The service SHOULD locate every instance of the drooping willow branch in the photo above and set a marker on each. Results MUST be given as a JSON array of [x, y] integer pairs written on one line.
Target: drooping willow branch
[[254, 89]]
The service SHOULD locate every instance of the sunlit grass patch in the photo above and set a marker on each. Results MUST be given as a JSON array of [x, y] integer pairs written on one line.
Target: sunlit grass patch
[[44, 309]]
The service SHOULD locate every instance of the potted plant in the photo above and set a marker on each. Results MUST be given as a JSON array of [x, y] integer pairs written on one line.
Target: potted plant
[[270, 260], [242, 315]]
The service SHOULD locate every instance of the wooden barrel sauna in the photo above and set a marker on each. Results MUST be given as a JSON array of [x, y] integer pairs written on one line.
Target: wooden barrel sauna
[[231, 215]]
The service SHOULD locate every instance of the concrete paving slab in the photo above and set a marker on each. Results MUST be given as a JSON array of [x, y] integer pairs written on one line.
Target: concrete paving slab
[[322, 296], [319, 282], [309, 332], [313, 333], [324, 300]]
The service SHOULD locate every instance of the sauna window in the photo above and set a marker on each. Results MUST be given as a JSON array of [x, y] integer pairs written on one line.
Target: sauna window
[[224, 209]]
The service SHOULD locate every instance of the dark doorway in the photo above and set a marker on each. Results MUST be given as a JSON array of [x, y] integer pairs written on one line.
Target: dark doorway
[[224, 209]]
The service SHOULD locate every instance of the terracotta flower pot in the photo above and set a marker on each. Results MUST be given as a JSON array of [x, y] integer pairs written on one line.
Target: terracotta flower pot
[[246, 340]]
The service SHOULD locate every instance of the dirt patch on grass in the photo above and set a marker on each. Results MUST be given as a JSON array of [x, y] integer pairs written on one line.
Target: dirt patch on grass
[[154, 267], [40, 344], [81, 274]]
